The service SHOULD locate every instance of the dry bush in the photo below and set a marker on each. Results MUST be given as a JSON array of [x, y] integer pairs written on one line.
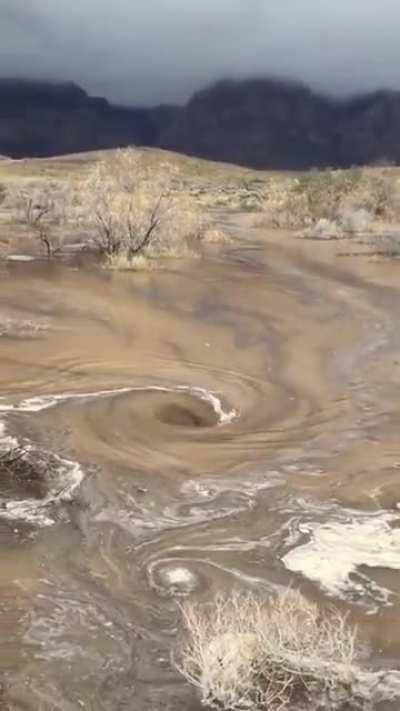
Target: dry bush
[[44, 209], [3, 192], [333, 195], [316, 195], [347, 222], [129, 209], [242, 652]]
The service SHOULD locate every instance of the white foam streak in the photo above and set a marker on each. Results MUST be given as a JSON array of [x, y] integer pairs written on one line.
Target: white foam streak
[[44, 402], [6, 441], [37, 511], [224, 416], [336, 549]]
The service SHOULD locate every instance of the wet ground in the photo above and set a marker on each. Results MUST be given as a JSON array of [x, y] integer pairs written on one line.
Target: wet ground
[[231, 421]]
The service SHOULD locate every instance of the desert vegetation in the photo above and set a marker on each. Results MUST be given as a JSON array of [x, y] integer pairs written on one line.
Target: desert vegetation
[[134, 207], [245, 652], [123, 207], [129, 209], [336, 203], [44, 210]]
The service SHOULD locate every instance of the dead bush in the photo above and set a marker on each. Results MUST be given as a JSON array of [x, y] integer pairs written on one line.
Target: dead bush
[[129, 209], [243, 652], [43, 209]]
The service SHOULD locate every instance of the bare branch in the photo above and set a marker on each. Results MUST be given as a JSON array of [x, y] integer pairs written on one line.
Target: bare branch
[[243, 652], [130, 210]]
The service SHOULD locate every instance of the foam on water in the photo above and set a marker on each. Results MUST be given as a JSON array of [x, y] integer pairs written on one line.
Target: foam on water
[[70, 473], [336, 549], [224, 416], [6, 441], [20, 258], [38, 511], [44, 402]]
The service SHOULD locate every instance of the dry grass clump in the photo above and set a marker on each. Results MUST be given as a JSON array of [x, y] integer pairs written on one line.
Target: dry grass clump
[[242, 652], [214, 235], [137, 263]]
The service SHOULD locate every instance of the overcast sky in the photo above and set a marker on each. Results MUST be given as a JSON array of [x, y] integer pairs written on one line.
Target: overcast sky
[[152, 51]]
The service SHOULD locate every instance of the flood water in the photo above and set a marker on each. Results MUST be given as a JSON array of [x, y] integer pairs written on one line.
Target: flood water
[[228, 422]]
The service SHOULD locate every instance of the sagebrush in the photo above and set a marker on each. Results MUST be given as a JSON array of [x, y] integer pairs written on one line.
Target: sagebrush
[[130, 209], [348, 198], [243, 652]]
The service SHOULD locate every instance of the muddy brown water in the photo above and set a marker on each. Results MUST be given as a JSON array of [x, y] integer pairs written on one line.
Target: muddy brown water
[[230, 422]]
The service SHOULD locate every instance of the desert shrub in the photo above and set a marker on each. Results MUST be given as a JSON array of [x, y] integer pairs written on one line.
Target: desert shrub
[[131, 209], [243, 652], [355, 195], [324, 229], [353, 220], [3, 192], [347, 222], [316, 195], [43, 209], [379, 194]]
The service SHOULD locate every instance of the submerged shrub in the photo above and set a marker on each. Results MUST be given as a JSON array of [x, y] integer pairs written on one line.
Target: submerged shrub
[[243, 652]]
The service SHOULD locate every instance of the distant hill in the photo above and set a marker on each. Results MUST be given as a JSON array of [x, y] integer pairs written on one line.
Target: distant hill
[[261, 123]]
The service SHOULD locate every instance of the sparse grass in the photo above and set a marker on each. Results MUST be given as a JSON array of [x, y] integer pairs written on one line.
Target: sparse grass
[[121, 262], [242, 652]]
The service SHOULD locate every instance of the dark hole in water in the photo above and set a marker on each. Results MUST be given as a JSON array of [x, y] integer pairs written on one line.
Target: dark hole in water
[[198, 415]]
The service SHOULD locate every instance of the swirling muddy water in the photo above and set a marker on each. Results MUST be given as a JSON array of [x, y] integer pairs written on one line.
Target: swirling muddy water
[[229, 422]]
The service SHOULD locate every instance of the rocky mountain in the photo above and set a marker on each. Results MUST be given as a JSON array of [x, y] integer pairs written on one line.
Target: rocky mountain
[[262, 123], [274, 124], [43, 119]]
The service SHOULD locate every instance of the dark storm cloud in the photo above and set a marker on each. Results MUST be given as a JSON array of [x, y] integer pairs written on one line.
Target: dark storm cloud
[[147, 51]]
